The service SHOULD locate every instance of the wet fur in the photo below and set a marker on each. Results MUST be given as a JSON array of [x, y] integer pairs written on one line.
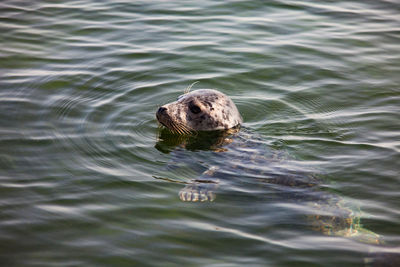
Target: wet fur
[[217, 112]]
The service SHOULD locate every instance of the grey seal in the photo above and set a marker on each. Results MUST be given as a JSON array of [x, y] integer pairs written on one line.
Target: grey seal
[[200, 110]]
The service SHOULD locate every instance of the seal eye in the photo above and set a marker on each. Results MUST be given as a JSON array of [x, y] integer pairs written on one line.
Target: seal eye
[[194, 108]]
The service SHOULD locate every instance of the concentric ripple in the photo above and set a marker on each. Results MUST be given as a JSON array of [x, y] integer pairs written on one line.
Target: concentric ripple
[[87, 178]]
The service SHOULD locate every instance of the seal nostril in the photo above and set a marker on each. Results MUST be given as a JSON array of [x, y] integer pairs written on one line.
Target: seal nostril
[[161, 110]]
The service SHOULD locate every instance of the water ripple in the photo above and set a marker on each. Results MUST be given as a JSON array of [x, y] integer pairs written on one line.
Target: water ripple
[[80, 148]]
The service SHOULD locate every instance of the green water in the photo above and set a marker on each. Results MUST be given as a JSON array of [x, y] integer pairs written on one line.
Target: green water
[[80, 82]]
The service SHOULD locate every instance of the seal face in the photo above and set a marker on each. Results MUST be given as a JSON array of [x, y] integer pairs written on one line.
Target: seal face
[[200, 110]]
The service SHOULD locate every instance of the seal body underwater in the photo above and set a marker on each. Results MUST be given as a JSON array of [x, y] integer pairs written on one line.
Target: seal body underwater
[[241, 154]]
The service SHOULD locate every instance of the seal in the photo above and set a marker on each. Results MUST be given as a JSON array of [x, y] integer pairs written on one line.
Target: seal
[[243, 155], [200, 110]]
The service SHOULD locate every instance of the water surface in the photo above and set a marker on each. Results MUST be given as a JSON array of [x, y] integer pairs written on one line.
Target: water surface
[[80, 83]]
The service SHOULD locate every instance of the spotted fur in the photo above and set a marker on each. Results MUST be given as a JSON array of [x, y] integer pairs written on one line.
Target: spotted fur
[[200, 110]]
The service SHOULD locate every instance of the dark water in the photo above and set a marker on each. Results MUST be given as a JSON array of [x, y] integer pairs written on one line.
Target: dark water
[[79, 163]]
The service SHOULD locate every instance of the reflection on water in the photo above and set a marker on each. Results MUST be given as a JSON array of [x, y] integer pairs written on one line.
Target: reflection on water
[[315, 82], [213, 141]]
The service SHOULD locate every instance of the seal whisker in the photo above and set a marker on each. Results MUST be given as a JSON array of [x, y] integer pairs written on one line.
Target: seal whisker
[[178, 130], [184, 128], [187, 90], [174, 128]]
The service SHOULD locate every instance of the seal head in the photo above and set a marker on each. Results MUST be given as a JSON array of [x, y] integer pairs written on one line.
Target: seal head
[[200, 110]]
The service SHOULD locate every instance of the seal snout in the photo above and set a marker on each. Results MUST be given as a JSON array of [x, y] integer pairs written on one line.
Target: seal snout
[[162, 115], [161, 110]]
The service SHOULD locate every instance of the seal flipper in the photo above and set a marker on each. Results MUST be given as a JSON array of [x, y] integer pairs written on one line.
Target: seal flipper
[[198, 191], [201, 189]]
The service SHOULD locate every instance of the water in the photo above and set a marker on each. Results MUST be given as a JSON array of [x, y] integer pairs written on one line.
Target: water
[[80, 83]]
